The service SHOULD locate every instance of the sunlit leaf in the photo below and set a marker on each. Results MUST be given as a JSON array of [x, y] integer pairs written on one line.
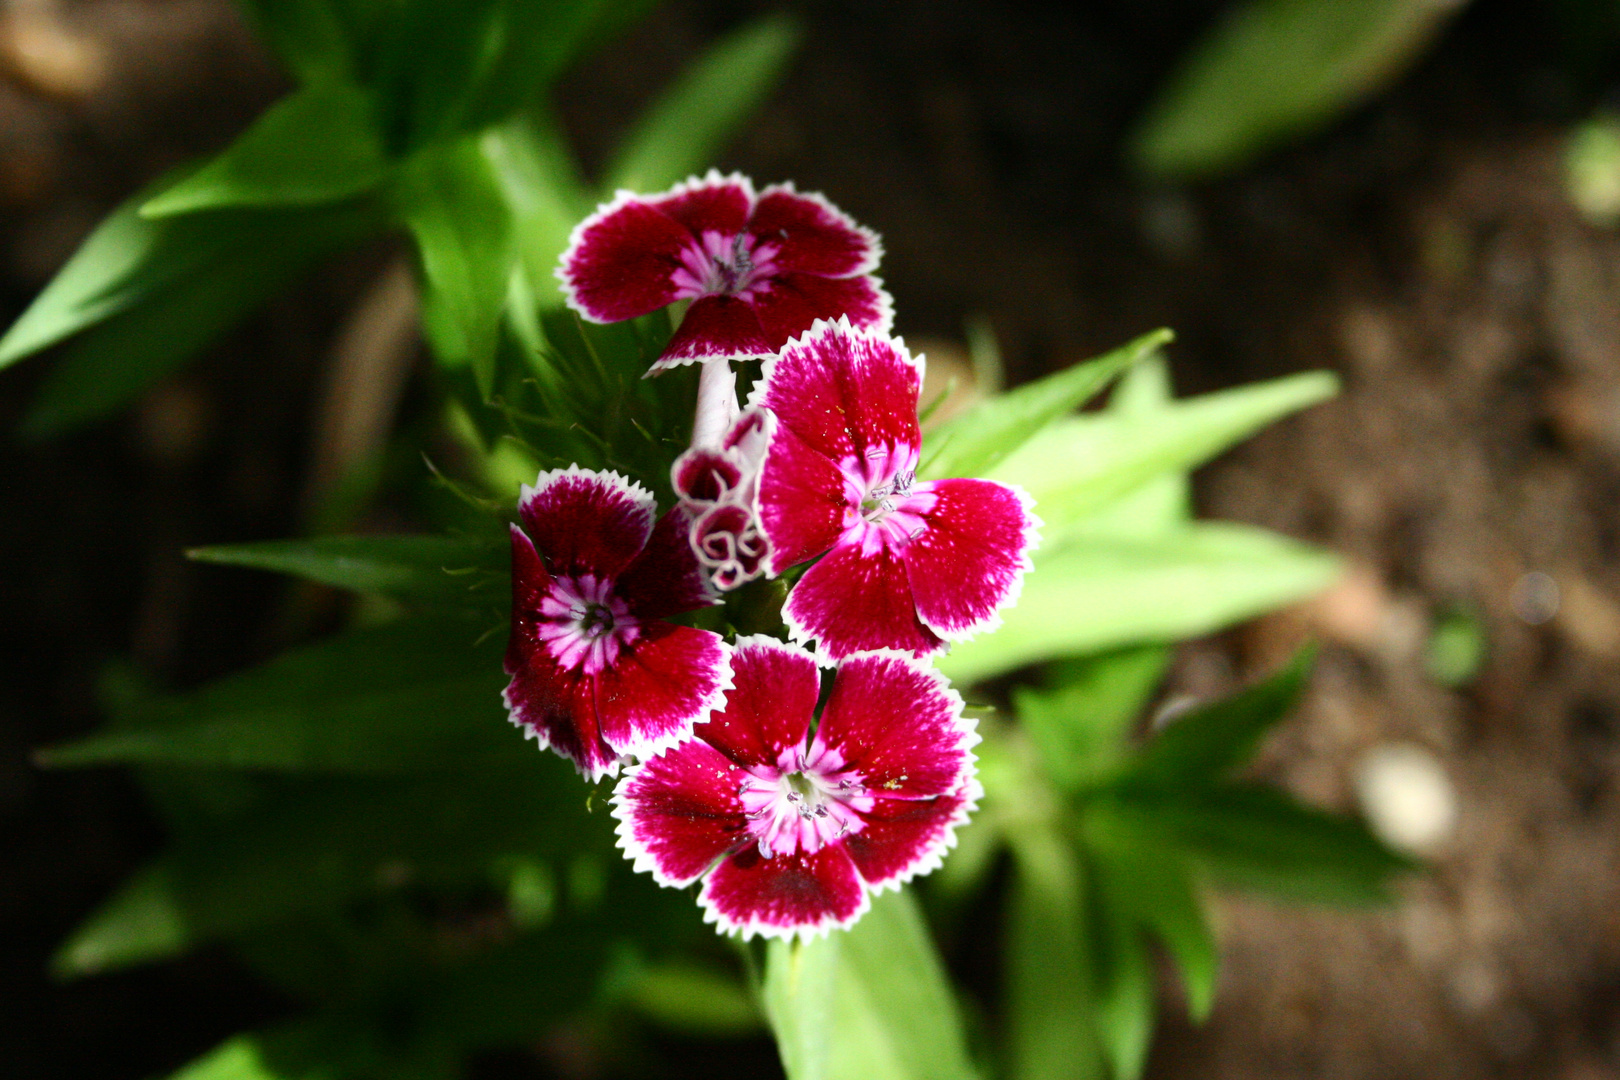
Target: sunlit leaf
[[1105, 592], [974, 442], [317, 145], [686, 128], [1275, 69]]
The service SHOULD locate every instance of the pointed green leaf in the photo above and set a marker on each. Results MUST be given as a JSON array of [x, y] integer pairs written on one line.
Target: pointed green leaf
[[1106, 592], [176, 304], [684, 131], [1079, 464], [1127, 991], [1274, 69], [871, 1003], [1051, 1012], [1205, 745], [143, 918], [317, 145], [418, 694], [453, 204], [434, 569], [974, 442], [1080, 723]]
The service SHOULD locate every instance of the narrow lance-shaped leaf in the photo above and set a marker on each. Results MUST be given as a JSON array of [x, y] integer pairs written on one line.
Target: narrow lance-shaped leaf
[[437, 569], [317, 145], [974, 442], [1110, 591], [1080, 720], [308, 35], [685, 129]]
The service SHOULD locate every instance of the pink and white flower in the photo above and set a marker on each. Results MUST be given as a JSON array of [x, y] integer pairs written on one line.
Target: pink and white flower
[[597, 672], [757, 268], [790, 831], [718, 484], [907, 564]]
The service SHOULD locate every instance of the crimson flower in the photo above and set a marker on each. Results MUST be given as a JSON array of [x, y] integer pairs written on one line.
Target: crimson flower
[[597, 672], [790, 831], [908, 564], [757, 268]]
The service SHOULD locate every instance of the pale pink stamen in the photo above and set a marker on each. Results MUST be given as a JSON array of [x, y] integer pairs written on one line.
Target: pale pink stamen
[[804, 802], [886, 506], [718, 265], [584, 624]]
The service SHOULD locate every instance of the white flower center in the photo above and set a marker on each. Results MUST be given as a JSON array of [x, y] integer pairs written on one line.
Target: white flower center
[[719, 265], [803, 803], [583, 624], [886, 506]]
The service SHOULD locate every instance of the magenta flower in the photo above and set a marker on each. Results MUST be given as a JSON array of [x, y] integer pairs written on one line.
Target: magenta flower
[[757, 268], [792, 832], [908, 564], [597, 672]]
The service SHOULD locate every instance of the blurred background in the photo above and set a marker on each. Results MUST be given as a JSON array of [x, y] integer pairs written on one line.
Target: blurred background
[[1436, 226]]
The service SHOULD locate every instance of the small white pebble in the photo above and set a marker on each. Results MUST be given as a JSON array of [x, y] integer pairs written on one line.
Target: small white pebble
[[1407, 797]]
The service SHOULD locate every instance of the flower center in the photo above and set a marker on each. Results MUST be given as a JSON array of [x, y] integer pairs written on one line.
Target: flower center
[[886, 506], [583, 624], [718, 265], [802, 803]]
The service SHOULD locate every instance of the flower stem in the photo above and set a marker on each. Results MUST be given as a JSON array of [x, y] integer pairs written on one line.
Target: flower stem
[[716, 403]]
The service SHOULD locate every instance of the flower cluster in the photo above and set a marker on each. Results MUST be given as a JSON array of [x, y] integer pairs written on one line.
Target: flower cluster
[[791, 819]]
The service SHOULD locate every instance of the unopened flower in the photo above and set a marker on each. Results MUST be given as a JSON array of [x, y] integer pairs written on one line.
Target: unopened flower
[[597, 672], [757, 268], [791, 831], [718, 485], [908, 564]]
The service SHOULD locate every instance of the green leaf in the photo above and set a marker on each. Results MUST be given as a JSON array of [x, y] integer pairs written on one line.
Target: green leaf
[[1076, 466], [1127, 992], [435, 569], [1051, 1014], [972, 443], [1080, 723], [1275, 69], [1207, 744], [177, 303], [141, 919], [1107, 592], [686, 128], [308, 35], [317, 145], [453, 204], [871, 1003], [541, 181], [419, 694]]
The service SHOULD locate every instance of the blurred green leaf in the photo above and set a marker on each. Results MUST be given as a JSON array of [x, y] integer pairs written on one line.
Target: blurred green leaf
[[317, 145], [1051, 1018], [1080, 722], [435, 569], [1078, 464], [1127, 991], [308, 35], [870, 1003], [1275, 69], [686, 997], [177, 302], [453, 204], [974, 442], [1456, 648], [687, 127], [1205, 745], [1106, 592], [417, 694], [542, 184], [141, 919]]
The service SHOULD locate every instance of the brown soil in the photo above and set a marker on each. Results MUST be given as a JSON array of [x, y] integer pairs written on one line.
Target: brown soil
[[1423, 249]]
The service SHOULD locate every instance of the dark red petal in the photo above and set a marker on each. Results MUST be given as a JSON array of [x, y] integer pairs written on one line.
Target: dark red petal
[[583, 521], [662, 683], [529, 585], [704, 476], [898, 724], [714, 203], [903, 838], [620, 260], [785, 895], [790, 304], [666, 578], [844, 392], [849, 602], [768, 709], [679, 812], [811, 235], [971, 558], [802, 500], [715, 328]]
